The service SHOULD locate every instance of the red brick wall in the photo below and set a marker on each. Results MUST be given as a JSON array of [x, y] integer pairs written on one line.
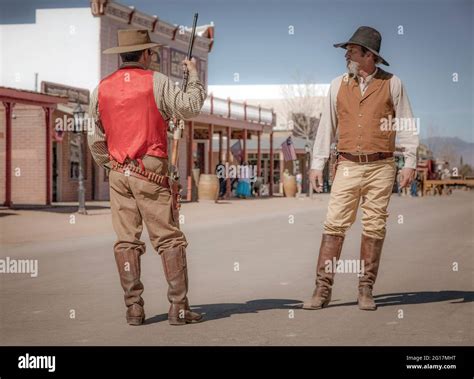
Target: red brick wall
[[28, 155], [29, 159]]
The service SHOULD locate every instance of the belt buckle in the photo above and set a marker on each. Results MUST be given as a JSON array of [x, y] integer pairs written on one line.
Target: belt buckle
[[366, 158]]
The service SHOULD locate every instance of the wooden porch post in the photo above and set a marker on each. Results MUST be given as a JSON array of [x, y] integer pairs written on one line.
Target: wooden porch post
[[271, 165], [220, 146], [8, 156], [209, 166], [189, 163], [228, 189], [259, 154], [48, 112], [245, 146], [259, 157]]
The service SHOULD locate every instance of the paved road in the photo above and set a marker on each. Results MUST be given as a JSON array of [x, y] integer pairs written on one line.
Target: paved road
[[422, 301]]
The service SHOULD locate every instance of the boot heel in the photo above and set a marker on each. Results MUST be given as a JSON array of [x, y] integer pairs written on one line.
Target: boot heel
[[135, 321], [310, 306], [326, 303], [177, 321]]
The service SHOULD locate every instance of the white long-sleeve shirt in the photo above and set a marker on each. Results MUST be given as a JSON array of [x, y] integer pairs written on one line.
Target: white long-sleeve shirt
[[327, 130]]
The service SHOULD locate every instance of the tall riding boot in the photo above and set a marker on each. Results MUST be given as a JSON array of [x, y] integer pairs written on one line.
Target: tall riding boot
[[128, 264], [370, 252], [176, 272], [331, 247]]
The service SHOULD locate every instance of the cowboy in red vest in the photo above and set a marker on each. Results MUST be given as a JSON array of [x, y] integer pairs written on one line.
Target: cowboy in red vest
[[131, 108]]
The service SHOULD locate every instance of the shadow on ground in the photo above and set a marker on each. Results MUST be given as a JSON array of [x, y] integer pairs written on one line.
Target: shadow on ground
[[224, 310], [5, 214], [424, 297]]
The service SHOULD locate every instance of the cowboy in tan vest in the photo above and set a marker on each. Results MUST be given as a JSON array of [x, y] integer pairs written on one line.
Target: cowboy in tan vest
[[130, 108], [361, 112]]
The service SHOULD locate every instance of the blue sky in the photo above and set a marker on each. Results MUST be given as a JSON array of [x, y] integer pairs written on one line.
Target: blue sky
[[252, 39]]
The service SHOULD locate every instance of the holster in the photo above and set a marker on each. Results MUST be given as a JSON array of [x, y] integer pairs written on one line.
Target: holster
[[175, 188]]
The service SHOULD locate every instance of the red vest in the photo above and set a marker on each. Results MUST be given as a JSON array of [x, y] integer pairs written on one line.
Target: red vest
[[129, 114]]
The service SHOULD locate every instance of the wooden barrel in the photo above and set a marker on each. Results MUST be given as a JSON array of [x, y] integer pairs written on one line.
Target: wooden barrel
[[289, 185], [208, 188]]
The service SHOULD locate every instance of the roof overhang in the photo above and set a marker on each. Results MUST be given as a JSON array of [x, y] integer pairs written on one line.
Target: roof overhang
[[233, 124], [15, 95]]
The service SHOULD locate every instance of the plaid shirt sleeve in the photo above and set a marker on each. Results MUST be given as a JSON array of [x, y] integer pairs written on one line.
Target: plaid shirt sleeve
[[96, 137], [173, 102]]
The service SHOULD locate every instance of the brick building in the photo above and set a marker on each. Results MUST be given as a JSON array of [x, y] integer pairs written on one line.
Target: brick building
[[67, 46], [25, 155]]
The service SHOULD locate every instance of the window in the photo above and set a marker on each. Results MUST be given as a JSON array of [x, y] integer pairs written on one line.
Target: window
[[155, 63], [176, 68]]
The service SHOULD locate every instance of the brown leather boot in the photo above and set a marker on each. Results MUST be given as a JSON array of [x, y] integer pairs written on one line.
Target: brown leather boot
[[176, 272], [331, 247], [128, 264], [370, 253]]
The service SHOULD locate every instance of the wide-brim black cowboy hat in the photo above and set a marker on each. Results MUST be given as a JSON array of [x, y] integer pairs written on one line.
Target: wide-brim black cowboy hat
[[367, 37]]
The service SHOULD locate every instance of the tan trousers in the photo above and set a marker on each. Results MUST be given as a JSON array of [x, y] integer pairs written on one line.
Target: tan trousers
[[134, 201], [367, 184]]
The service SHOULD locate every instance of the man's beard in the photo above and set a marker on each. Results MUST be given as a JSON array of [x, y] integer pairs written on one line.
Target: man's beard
[[353, 68]]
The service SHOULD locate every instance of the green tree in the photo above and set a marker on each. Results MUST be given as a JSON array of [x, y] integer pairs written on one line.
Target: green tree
[[466, 170]]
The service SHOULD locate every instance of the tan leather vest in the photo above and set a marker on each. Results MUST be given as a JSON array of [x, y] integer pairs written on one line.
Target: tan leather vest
[[363, 119]]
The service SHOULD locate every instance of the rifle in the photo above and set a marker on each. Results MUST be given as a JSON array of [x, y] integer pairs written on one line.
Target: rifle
[[177, 129]]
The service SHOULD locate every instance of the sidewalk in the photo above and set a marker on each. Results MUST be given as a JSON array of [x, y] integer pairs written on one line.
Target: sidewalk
[[61, 221]]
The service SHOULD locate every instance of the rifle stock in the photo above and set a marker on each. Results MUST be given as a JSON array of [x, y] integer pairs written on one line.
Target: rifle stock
[[178, 127]]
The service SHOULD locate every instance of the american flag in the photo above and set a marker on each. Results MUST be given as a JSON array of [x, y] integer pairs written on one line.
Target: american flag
[[288, 149], [236, 151]]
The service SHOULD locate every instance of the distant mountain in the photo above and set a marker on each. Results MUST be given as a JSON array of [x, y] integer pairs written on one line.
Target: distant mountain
[[451, 148]]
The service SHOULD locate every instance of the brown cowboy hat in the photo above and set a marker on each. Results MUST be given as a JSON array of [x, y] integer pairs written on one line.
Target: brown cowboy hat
[[368, 37], [132, 40]]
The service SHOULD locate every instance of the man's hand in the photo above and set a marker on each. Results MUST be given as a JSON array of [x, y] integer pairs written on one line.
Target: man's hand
[[406, 177], [316, 179], [190, 65]]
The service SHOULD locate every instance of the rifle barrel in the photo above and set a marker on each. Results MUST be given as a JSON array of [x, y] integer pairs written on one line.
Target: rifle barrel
[[190, 50]]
